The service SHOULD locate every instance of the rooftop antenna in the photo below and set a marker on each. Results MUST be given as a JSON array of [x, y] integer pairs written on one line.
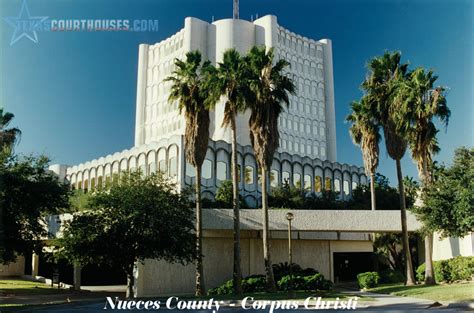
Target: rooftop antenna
[[236, 10]]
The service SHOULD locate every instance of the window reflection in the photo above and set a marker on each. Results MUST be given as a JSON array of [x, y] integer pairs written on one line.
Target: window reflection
[[318, 184], [337, 185], [346, 187], [297, 180], [248, 175], [327, 184], [285, 176], [273, 178], [354, 185]]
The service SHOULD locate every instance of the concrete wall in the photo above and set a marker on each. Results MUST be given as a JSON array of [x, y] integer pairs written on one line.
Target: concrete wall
[[161, 278], [13, 269], [447, 248]]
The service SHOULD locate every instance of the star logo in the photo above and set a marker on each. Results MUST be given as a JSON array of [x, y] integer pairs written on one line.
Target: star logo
[[25, 25]]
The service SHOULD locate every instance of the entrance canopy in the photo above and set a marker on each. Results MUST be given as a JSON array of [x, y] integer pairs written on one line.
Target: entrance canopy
[[312, 220]]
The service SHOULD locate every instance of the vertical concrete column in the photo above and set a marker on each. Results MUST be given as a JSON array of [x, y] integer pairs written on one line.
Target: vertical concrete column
[[141, 94], [266, 32], [331, 152], [139, 275], [34, 265], [77, 276]]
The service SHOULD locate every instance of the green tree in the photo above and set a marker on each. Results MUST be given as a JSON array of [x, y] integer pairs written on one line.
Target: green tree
[[28, 193], [382, 88], [8, 136], [230, 81], [270, 86], [365, 133], [422, 102], [448, 202], [188, 88], [138, 218]]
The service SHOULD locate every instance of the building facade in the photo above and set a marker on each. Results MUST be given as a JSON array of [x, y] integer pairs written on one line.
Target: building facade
[[306, 157]]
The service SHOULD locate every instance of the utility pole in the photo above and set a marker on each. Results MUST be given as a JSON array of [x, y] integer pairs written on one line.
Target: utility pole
[[236, 10]]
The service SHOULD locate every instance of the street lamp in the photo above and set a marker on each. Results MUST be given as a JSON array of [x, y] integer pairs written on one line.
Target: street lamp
[[289, 217]]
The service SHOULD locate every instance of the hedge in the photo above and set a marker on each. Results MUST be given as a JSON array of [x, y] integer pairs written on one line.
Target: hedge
[[450, 270], [257, 283]]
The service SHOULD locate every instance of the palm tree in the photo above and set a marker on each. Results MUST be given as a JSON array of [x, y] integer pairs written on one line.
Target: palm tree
[[188, 89], [270, 87], [382, 86], [423, 102], [8, 136], [365, 133], [229, 80]]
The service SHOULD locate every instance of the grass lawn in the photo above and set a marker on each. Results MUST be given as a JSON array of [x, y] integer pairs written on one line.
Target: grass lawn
[[12, 287], [444, 292]]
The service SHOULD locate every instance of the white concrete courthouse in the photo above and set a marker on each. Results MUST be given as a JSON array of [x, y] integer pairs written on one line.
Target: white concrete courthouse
[[307, 154], [335, 243]]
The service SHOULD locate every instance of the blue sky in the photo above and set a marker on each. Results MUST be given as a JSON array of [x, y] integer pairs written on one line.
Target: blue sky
[[73, 94]]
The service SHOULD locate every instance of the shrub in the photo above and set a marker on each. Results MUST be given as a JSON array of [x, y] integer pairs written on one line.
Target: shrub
[[310, 282], [224, 289], [458, 268], [317, 282], [286, 283], [368, 279], [391, 276], [283, 269], [254, 283]]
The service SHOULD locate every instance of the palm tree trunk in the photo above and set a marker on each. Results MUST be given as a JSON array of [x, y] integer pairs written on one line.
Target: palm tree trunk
[[271, 287], [237, 273], [405, 243], [425, 178], [375, 260], [372, 191], [199, 268], [429, 268]]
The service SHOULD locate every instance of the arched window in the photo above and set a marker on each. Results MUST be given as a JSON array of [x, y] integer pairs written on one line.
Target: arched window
[[285, 176], [207, 169], [162, 160], [152, 168], [173, 162], [345, 187], [221, 171], [327, 184], [190, 170], [307, 183], [297, 180]]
